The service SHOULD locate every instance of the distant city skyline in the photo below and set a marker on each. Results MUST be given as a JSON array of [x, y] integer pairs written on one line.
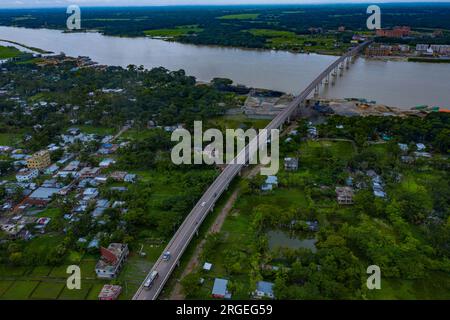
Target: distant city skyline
[[63, 3]]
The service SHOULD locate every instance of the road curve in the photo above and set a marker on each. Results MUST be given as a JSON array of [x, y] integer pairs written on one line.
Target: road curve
[[182, 237]]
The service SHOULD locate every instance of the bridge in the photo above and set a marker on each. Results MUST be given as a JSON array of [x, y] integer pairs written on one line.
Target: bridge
[[182, 237]]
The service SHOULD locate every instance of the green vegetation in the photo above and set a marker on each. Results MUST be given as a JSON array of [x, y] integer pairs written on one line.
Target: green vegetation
[[48, 290], [20, 290], [288, 40], [37, 50], [242, 16], [8, 52], [405, 233], [174, 32], [230, 25]]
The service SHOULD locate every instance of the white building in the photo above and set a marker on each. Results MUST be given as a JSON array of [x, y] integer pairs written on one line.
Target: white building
[[27, 175]]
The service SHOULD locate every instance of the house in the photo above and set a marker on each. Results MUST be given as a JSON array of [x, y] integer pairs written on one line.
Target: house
[[111, 261], [118, 175], [90, 193], [39, 160], [264, 289], [107, 162], [89, 172], [42, 195], [291, 164], [270, 182], [131, 178], [207, 266], [109, 292], [420, 147], [51, 169], [220, 289], [27, 175], [344, 195], [403, 147], [72, 166]]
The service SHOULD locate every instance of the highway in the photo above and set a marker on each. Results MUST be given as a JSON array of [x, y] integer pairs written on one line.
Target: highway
[[182, 237]]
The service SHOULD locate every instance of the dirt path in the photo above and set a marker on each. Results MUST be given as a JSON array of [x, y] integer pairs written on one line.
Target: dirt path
[[177, 292]]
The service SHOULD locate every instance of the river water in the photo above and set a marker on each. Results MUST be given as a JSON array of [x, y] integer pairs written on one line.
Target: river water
[[398, 84]]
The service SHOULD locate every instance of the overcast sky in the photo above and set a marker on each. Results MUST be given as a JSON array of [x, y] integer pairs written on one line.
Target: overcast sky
[[62, 3]]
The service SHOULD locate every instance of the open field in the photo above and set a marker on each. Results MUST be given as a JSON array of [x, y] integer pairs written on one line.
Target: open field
[[173, 32], [242, 16], [8, 52], [288, 40]]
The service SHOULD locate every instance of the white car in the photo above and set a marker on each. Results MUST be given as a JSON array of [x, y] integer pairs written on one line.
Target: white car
[[150, 280], [203, 203]]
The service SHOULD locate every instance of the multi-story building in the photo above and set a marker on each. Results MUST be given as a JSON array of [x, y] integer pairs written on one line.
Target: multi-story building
[[112, 260], [40, 160], [27, 175], [397, 32]]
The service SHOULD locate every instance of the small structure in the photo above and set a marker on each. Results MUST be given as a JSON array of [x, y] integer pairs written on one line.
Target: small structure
[[118, 175], [107, 162], [111, 261], [420, 147], [109, 292], [291, 164], [131, 178], [344, 195], [220, 289], [264, 289], [207, 266], [89, 172], [270, 182]]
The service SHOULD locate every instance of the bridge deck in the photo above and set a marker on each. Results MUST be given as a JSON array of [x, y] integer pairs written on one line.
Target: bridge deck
[[182, 237]]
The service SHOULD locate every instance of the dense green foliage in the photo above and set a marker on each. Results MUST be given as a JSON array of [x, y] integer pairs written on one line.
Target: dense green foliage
[[167, 98], [230, 25]]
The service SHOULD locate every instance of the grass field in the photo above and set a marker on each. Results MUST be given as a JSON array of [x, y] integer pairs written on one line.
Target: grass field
[[174, 32], [288, 40], [435, 287], [48, 290], [20, 290], [102, 131], [81, 294], [8, 52], [243, 16], [9, 139]]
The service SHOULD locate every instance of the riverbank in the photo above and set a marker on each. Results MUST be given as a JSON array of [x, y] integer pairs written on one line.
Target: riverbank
[[36, 50], [391, 83]]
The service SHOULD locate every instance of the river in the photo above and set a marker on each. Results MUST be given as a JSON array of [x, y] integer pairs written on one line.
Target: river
[[398, 84]]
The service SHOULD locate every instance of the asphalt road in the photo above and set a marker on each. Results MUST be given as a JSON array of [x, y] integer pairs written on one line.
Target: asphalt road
[[190, 225]]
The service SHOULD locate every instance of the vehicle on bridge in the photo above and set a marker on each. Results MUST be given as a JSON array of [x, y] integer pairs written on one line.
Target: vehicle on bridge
[[166, 256], [148, 284]]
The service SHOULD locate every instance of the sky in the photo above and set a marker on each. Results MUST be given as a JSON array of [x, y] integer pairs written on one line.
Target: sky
[[63, 3]]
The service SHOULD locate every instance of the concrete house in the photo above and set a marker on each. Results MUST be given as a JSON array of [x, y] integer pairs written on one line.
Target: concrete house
[[264, 289], [111, 261], [220, 289]]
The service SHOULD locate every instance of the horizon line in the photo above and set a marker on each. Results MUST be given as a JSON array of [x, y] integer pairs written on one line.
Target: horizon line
[[341, 2]]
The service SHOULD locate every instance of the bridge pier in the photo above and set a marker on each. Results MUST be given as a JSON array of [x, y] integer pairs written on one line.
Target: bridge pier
[[316, 91], [334, 75]]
